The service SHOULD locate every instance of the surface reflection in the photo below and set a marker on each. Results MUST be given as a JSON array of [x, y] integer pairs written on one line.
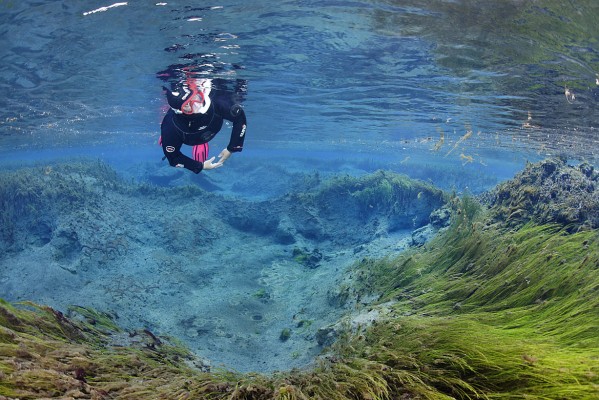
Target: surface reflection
[[376, 71]]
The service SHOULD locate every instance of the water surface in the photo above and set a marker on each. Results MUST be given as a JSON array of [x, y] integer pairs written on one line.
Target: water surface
[[372, 75]]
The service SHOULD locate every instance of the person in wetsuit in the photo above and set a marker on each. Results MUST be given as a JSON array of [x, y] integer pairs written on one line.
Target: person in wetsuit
[[196, 115]]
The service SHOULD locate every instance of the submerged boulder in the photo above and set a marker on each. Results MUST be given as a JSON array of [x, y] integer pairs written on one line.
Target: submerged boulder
[[344, 210], [353, 210], [549, 192]]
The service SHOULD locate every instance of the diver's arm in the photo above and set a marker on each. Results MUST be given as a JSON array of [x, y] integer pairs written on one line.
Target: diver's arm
[[237, 116], [180, 160], [234, 113], [171, 146], [237, 137]]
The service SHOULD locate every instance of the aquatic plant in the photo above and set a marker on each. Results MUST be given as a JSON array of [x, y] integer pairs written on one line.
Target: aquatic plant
[[489, 312], [484, 310]]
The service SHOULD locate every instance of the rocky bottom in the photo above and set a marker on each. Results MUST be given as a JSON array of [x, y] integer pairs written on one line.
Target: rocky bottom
[[247, 285]]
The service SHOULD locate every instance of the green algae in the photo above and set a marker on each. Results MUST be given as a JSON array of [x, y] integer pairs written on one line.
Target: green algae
[[513, 313], [45, 354], [487, 309], [380, 191]]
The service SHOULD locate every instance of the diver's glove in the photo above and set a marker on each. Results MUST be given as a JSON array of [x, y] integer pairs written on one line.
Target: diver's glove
[[210, 164], [222, 157]]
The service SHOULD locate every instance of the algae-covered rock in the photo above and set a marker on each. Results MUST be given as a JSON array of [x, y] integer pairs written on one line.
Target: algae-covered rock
[[440, 218], [422, 235], [549, 192], [353, 210], [285, 335], [44, 354], [344, 210], [310, 259]]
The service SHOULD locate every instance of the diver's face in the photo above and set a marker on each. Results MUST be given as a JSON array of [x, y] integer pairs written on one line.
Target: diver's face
[[200, 89], [194, 104]]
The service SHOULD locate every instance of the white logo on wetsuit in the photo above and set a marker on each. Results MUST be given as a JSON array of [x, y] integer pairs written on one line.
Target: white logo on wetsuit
[[170, 149], [242, 131]]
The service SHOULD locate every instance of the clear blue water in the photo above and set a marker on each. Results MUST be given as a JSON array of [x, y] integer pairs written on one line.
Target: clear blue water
[[460, 93], [374, 76]]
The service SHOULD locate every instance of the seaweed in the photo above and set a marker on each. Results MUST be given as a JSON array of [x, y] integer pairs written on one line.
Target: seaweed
[[487, 309]]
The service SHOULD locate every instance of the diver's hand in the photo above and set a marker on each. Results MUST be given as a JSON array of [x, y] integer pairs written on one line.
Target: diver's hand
[[210, 164], [222, 157]]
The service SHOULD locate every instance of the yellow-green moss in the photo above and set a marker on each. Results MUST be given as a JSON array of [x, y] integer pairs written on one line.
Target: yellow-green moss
[[510, 313], [485, 310]]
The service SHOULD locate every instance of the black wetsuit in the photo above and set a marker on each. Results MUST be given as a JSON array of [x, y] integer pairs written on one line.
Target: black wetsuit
[[193, 129]]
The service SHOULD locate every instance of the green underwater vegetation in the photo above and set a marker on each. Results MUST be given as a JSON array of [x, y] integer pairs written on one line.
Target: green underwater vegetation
[[502, 304]]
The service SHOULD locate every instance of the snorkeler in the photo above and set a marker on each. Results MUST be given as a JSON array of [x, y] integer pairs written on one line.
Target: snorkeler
[[194, 118]]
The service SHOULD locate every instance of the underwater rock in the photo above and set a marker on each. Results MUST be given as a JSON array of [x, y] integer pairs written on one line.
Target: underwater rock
[[283, 236], [326, 336], [310, 259], [352, 323], [440, 218], [339, 295], [305, 218], [587, 170], [66, 245], [90, 199], [285, 335], [422, 235], [35, 198], [548, 192], [164, 176], [205, 183], [259, 218], [350, 210]]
